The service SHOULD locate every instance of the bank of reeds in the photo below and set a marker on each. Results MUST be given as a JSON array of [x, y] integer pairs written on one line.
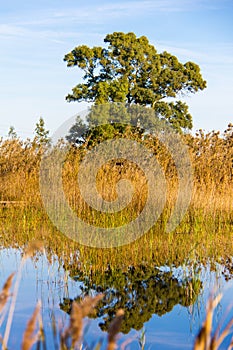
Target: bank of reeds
[[205, 231], [211, 157]]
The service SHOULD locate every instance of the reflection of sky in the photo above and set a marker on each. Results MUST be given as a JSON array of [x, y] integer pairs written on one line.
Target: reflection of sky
[[39, 281], [174, 330]]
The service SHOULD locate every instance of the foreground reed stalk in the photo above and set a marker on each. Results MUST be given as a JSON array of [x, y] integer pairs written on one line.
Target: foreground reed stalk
[[32, 247], [205, 340], [12, 306], [72, 337], [29, 336], [78, 312], [114, 329]]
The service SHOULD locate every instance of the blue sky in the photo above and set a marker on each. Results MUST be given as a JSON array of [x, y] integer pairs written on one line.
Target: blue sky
[[35, 36]]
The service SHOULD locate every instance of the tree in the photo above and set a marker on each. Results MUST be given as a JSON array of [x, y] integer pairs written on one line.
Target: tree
[[93, 132], [130, 70], [41, 134], [12, 135]]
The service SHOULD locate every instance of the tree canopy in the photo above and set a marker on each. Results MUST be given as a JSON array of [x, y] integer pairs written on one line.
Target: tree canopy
[[130, 70]]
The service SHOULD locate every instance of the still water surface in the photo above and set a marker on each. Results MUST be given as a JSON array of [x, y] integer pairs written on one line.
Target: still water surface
[[47, 281]]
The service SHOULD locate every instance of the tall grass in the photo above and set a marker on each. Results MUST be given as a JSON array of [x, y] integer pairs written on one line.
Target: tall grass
[[206, 229], [211, 156], [204, 234]]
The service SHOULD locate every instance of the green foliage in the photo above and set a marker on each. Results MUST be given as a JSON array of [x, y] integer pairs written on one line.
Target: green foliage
[[104, 122], [12, 135], [77, 133], [141, 292], [112, 120], [131, 71], [41, 138]]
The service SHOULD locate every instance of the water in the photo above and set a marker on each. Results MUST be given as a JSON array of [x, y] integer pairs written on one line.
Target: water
[[157, 302]]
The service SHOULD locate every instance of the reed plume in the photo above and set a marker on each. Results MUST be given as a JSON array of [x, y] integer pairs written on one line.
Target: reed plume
[[29, 336], [5, 292], [205, 340], [114, 329], [78, 312]]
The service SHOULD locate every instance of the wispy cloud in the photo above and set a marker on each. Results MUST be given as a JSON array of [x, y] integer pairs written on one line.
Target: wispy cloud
[[53, 34], [11, 30], [95, 13], [69, 21], [221, 54], [136, 7]]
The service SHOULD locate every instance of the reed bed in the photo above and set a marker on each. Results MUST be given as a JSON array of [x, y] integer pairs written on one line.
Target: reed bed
[[204, 235], [205, 231], [211, 156]]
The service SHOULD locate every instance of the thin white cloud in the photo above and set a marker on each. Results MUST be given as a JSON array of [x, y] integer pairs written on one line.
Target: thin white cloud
[[11, 30], [95, 14], [129, 8], [221, 54], [68, 22]]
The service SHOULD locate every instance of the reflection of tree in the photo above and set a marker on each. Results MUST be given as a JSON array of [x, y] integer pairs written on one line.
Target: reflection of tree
[[141, 292], [227, 268]]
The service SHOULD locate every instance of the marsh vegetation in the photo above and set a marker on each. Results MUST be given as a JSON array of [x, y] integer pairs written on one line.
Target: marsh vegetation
[[143, 277]]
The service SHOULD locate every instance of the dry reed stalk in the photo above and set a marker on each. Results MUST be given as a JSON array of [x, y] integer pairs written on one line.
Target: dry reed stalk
[[76, 324], [29, 252], [114, 329], [5, 292], [89, 303], [29, 336], [12, 306], [217, 340], [204, 340], [78, 313], [124, 345], [230, 347]]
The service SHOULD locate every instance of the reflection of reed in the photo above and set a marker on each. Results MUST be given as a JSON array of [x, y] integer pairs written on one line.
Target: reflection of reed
[[205, 232], [199, 238]]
